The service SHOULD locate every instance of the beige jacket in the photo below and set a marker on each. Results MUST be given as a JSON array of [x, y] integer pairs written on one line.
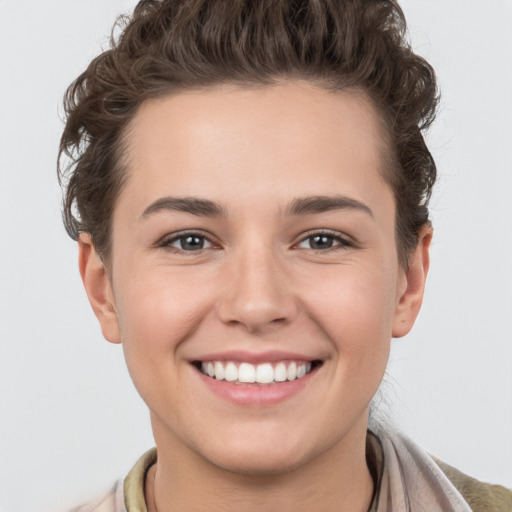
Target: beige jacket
[[481, 497], [409, 481]]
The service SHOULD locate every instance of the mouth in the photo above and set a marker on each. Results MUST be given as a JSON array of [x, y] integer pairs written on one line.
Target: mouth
[[263, 374]]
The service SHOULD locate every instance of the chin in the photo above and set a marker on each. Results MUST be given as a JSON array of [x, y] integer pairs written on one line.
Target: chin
[[258, 462], [258, 452]]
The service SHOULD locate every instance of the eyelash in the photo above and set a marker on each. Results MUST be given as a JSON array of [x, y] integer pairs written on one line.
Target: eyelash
[[339, 242], [166, 243]]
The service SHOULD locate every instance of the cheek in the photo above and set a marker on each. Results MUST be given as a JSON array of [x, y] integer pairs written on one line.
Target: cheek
[[157, 313], [355, 310], [158, 309], [355, 306]]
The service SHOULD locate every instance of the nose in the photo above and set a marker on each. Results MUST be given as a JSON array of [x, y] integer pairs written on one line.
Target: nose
[[258, 294]]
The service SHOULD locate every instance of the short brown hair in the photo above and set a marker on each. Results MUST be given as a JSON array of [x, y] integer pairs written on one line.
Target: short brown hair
[[171, 45]]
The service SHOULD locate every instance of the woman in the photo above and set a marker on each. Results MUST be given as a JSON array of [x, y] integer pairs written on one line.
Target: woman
[[251, 186]]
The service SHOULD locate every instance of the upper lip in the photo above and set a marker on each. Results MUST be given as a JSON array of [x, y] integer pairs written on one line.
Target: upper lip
[[269, 356]]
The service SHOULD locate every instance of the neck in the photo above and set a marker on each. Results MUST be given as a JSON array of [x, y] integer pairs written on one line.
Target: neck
[[337, 480]]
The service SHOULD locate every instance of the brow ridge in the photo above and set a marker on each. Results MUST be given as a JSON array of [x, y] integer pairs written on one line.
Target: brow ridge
[[192, 205], [299, 206], [322, 204]]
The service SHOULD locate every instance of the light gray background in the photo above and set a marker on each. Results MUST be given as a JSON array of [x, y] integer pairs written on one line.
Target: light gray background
[[71, 421]]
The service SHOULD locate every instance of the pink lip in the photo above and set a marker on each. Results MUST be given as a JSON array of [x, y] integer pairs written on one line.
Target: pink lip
[[256, 395], [254, 358]]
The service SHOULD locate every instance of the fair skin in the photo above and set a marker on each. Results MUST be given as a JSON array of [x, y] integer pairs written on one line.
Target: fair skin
[[270, 275]]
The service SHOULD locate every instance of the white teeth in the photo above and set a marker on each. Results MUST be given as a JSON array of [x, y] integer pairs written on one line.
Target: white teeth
[[219, 370], [291, 373], [247, 373], [264, 373], [231, 373], [280, 372]]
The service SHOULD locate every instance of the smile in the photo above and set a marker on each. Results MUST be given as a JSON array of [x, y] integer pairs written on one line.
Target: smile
[[264, 374]]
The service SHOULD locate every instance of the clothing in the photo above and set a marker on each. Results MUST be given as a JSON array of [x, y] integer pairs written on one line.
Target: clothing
[[409, 480], [412, 480]]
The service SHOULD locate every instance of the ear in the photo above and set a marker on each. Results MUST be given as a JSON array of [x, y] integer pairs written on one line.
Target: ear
[[409, 303], [98, 288]]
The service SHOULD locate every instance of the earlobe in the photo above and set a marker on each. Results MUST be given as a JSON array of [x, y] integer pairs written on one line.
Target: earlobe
[[98, 288], [409, 303]]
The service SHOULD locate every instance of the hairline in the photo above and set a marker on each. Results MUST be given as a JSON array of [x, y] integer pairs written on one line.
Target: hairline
[[385, 147]]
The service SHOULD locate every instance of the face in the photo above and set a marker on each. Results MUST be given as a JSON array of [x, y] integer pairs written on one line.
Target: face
[[254, 279]]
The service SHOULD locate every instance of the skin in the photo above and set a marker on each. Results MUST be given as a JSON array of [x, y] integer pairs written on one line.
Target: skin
[[257, 285]]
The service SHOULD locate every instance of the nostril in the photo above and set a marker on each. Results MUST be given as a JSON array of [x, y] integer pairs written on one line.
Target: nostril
[[278, 321]]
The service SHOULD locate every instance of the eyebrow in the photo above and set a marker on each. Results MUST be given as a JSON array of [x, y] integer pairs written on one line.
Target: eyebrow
[[192, 205], [299, 206], [322, 204]]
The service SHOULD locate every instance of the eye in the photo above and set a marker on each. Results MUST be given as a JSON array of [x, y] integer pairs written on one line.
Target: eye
[[323, 241], [187, 242]]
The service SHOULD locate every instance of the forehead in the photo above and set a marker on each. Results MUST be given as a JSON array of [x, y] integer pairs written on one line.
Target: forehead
[[286, 138]]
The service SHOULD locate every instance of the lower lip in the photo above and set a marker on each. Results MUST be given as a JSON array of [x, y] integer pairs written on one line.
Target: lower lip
[[254, 394]]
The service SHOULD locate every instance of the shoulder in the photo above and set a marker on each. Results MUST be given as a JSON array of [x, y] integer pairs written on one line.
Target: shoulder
[[126, 495], [481, 497], [113, 501], [410, 475]]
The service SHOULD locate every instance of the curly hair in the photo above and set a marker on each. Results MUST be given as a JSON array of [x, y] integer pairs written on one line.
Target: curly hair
[[168, 46]]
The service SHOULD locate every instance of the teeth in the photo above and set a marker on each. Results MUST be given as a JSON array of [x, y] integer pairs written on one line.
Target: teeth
[[231, 373], [291, 373], [264, 373], [219, 370], [280, 372], [246, 373]]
